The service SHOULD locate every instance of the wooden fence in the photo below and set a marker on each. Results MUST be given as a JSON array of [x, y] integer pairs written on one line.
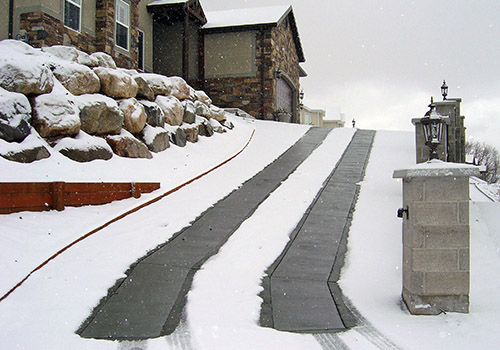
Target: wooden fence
[[40, 196]]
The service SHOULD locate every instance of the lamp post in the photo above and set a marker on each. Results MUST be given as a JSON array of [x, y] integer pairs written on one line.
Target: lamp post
[[433, 125], [444, 90]]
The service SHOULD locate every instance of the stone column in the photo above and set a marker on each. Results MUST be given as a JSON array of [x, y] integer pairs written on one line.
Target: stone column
[[436, 237]]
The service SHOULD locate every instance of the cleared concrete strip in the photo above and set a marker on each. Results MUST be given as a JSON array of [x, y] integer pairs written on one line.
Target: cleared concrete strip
[[300, 292], [149, 302]]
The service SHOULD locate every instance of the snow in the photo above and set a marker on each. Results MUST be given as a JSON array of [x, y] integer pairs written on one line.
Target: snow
[[82, 141], [15, 105], [248, 16], [57, 108], [437, 167], [150, 133], [222, 313]]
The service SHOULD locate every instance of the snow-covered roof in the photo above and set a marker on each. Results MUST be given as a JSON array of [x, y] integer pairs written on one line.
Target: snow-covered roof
[[247, 16]]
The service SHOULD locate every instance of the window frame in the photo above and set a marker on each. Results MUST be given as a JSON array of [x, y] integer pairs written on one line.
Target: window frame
[[79, 6], [125, 25], [140, 50]]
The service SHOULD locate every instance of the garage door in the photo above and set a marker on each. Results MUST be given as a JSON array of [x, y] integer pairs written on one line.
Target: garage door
[[284, 95]]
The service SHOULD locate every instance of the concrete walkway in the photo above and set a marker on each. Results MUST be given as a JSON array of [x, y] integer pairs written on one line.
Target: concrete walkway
[[149, 301], [300, 290]]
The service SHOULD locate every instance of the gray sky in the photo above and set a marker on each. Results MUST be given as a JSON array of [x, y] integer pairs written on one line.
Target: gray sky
[[380, 61]]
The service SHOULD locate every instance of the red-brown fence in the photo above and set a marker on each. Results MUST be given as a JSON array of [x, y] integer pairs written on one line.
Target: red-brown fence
[[39, 196]]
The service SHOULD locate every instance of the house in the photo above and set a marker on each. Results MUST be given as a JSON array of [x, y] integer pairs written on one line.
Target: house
[[317, 117], [246, 58]]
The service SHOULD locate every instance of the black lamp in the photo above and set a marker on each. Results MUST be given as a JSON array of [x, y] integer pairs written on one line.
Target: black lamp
[[433, 125], [444, 90]]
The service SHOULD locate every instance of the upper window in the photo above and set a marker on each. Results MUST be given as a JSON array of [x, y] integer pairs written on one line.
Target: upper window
[[72, 11], [122, 24]]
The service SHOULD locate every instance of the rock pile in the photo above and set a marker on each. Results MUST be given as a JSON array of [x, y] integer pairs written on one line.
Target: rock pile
[[86, 108]]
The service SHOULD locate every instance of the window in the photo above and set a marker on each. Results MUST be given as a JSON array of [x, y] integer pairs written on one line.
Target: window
[[140, 59], [122, 23], [72, 11]]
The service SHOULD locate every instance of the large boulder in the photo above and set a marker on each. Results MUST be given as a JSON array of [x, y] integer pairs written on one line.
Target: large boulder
[[104, 60], [87, 60], [28, 151], [84, 148], [189, 112], [180, 89], [154, 113], [77, 79], [217, 127], [66, 53], [202, 97], [202, 109], [160, 84], [177, 135], [143, 88], [126, 145], [172, 109], [191, 132], [134, 116], [25, 75], [99, 115], [155, 138], [218, 114], [56, 114], [115, 83], [15, 116], [204, 127]]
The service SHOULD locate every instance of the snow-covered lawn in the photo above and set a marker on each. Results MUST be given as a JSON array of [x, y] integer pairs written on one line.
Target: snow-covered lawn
[[45, 312]]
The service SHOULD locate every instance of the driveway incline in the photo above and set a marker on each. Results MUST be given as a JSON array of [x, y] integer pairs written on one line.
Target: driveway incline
[[148, 303]]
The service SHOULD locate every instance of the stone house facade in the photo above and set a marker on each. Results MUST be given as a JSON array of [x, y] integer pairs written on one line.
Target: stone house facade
[[248, 59]]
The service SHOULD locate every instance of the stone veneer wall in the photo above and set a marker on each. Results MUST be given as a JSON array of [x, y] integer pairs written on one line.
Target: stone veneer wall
[[45, 30], [279, 52]]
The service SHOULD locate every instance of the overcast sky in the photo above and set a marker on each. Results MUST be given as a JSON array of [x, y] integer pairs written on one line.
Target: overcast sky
[[380, 61]]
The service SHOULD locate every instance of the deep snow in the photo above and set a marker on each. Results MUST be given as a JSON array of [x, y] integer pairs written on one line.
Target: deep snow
[[45, 312]]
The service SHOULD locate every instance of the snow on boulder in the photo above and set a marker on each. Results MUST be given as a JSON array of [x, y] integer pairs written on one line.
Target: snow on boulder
[[134, 116], [189, 112], [87, 60], [23, 74], [66, 53], [84, 148], [15, 116], [143, 88], [77, 78], [154, 113], [202, 109], [180, 88], [177, 135], [172, 108], [31, 149], [217, 126], [115, 83], [155, 138], [126, 145], [202, 97], [104, 60], [56, 114], [191, 132], [99, 115], [218, 114], [160, 84], [16, 47], [204, 127]]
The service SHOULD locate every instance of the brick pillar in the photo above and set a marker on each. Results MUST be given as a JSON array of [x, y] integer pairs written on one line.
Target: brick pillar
[[436, 237]]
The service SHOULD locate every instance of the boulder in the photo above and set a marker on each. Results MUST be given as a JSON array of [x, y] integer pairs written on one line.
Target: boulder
[[99, 115], [87, 60], [180, 89], [15, 116], [17, 47], [155, 138], [115, 83], [191, 132], [172, 109], [202, 109], [84, 148], [217, 126], [218, 114], [66, 53], [27, 155], [228, 125], [202, 97], [26, 76], [104, 60], [177, 136], [77, 79], [56, 114], [189, 112], [154, 113], [205, 128], [143, 88], [126, 145], [160, 84], [134, 116]]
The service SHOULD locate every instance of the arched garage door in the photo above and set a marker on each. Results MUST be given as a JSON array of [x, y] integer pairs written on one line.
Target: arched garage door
[[284, 95]]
